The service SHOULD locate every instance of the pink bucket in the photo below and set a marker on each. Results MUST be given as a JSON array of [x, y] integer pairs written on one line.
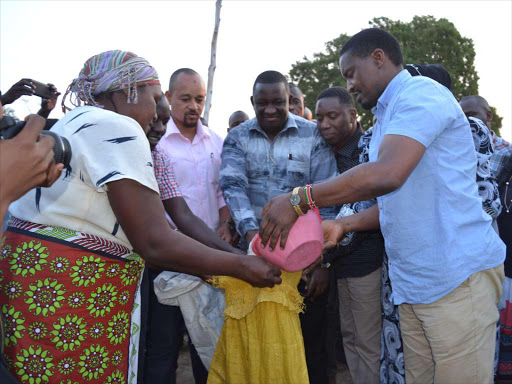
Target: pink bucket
[[303, 247]]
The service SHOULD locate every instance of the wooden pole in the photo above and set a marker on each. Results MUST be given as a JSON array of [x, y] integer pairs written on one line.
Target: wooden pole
[[213, 61]]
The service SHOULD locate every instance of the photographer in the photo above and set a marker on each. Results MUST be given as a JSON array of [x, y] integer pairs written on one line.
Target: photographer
[[26, 161]]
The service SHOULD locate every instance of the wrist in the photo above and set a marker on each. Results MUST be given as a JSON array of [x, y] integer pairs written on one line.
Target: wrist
[[250, 235], [241, 268], [303, 202], [342, 223], [229, 223], [43, 113]]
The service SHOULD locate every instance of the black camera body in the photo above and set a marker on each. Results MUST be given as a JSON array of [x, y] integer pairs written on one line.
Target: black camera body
[[9, 128]]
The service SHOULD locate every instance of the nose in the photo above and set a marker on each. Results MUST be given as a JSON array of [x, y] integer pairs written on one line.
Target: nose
[[193, 106], [324, 124], [270, 110]]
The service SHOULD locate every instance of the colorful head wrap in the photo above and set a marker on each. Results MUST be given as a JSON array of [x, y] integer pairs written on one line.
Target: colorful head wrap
[[108, 72]]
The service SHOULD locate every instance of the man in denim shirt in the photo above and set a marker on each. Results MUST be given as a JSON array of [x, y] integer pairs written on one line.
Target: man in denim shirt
[[265, 157], [445, 260]]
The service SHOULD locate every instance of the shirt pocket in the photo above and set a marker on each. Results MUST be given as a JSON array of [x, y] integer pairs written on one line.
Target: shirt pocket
[[297, 173], [213, 169]]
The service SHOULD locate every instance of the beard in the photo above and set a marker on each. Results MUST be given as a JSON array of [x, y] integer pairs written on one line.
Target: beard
[[368, 105], [189, 124]]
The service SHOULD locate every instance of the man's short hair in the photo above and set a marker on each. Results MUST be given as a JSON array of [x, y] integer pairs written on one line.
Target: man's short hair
[[174, 76], [478, 99], [291, 85], [362, 44], [435, 71], [340, 93], [271, 77]]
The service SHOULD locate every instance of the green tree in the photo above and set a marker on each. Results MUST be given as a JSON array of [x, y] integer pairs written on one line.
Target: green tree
[[8, 111], [423, 40], [496, 121]]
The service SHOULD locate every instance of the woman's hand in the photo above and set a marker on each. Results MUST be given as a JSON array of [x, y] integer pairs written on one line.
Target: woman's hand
[[333, 232], [256, 271]]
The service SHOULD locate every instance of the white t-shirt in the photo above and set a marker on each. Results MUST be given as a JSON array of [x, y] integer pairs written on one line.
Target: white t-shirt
[[105, 147]]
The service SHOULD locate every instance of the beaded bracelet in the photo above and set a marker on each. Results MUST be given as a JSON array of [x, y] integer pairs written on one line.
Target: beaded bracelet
[[309, 196]]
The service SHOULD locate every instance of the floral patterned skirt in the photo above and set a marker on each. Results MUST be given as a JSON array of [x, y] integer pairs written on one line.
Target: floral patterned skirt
[[70, 304], [392, 369]]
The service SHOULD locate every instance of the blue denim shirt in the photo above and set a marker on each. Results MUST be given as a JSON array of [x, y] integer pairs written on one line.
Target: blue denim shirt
[[435, 231], [255, 169]]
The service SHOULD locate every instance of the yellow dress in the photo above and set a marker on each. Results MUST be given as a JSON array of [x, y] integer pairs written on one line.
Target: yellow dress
[[261, 341]]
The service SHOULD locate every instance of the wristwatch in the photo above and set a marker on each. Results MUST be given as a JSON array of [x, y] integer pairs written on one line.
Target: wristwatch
[[295, 202]]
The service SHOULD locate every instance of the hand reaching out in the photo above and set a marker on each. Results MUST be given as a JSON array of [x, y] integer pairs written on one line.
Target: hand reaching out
[[256, 271], [47, 105], [24, 87], [333, 232]]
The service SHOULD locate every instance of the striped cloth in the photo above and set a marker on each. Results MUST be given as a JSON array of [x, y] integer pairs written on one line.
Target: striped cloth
[[108, 72]]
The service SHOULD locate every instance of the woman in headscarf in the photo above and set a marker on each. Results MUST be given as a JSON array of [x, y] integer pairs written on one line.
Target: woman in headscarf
[[70, 285]]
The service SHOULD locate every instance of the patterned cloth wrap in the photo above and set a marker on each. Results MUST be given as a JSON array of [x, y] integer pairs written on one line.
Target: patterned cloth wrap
[[108, 72], [67, 299]]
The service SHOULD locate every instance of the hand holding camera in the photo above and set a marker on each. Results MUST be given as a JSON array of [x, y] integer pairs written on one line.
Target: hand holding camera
[[26, 161], [24, 87], [48, 104], [28, 87]]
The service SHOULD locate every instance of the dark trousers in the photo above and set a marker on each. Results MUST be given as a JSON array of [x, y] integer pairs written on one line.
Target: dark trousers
[[314, 326], [165, 328], [5, 375]]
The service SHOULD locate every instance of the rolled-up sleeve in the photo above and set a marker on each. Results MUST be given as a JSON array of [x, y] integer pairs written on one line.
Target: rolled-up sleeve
[[234, 184]]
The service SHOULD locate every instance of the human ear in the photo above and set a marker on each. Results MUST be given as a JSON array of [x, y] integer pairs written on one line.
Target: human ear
[[378, 57], [489, 118], [252, 101], [168, 96], [353, 116]]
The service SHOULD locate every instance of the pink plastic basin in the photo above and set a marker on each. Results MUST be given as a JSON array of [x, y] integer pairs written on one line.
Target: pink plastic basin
[[303, 247]]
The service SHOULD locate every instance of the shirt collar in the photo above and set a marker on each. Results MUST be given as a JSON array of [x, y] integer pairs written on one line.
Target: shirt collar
[[172, 129], [395, 84], [352, 145], [290, 123]]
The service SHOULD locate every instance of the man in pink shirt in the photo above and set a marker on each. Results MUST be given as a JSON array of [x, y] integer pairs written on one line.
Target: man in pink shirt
[[194, 150]]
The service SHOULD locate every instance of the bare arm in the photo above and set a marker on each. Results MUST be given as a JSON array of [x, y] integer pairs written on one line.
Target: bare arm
[[140, 214], [398, 156], [224, 230], [334, 230], [192, 226]]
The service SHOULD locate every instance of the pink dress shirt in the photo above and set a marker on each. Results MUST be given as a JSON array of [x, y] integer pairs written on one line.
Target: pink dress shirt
[[196, 165]]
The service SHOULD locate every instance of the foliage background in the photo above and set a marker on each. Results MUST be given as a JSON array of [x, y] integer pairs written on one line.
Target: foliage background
[[424, 40]]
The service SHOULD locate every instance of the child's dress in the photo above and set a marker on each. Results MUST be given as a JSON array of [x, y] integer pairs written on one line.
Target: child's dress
[[261, 341]]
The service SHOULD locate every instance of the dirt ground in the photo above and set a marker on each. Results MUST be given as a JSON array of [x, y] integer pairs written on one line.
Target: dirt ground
[[184, 372]]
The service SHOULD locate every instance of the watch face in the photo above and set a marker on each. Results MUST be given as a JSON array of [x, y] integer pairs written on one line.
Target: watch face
[[295, 199]]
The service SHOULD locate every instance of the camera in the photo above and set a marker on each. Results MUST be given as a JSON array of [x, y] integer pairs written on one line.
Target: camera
[[9, 128]]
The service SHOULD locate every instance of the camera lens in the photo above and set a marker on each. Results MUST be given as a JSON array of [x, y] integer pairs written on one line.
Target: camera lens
[[61, 148]]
